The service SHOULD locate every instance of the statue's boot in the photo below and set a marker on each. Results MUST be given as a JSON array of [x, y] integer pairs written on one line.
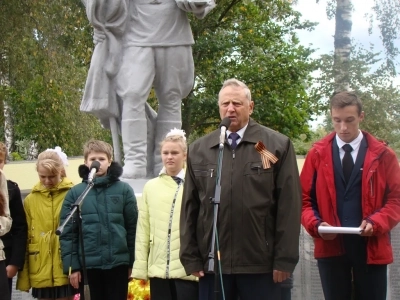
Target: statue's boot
[[162, 128], [134, 140]]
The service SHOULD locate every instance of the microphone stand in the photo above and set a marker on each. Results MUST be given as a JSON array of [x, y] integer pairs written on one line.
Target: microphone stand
[[76, 208], [214, 238]]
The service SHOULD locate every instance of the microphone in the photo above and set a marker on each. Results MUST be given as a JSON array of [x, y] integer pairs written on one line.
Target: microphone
[[94, 168], [223, 126]]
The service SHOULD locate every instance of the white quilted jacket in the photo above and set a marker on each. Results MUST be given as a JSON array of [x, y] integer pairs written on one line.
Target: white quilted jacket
[[157, 233]]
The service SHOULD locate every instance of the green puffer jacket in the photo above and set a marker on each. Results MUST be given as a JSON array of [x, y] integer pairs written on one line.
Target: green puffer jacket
[[109, 216], [43, 266]]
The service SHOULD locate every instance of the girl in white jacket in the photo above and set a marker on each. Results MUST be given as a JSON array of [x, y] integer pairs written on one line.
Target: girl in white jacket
[[157, 234], [5, 226]]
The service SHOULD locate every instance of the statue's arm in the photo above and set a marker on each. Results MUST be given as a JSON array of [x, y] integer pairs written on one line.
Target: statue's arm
[[199, 8]]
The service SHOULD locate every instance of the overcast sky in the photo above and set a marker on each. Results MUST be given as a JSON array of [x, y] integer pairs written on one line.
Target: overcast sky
[[322, 37]]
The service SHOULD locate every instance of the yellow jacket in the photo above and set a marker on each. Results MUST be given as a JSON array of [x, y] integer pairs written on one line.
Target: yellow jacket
[[43, 265], [157, 233]]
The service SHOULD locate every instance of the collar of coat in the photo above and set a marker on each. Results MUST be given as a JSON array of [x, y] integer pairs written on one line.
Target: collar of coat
[[374, 145], [251, 135], [113, 173]]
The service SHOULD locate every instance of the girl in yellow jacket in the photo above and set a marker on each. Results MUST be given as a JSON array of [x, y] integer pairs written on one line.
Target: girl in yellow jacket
[[157, 234], [43, 270]]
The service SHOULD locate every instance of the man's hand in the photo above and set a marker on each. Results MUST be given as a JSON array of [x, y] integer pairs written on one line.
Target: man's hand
[[74, 279], [280, 276], [367, 228], [198, 274], [11, 271], [327, 236]]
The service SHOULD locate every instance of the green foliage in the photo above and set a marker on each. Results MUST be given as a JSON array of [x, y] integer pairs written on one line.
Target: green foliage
[[15, 156], [373, 82], [303, 143], [45, 54], [46, 48], [255, 43], [387, 13]]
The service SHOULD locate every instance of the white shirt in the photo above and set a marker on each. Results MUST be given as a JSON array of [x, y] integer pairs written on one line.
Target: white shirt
[[240, 133], [355, 144]]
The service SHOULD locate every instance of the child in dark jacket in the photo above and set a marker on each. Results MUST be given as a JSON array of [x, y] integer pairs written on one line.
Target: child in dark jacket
[[108, 218], [5, 226], [15, 240]]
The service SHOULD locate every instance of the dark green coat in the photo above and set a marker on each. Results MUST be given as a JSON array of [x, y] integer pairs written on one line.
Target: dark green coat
[[109, 216], [259, 213]]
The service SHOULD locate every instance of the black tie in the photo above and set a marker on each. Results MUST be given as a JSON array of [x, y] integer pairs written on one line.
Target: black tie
[[347, 162], [234, 137]]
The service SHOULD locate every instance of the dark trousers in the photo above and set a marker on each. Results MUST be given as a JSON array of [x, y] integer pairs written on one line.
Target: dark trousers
[[4, 287], [339, 274], [243, 286], [10, 283], [286, 294], [349, 274], [173, 289], [109, 284]]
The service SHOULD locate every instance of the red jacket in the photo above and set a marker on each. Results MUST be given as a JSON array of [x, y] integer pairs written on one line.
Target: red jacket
[[380, 197]]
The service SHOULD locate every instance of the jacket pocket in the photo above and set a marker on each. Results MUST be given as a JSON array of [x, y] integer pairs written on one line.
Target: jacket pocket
[[34, 258], [205, 177]]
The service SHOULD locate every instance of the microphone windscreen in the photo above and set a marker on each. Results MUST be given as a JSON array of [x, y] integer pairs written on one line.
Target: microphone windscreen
[[95, 165], [225, 122]]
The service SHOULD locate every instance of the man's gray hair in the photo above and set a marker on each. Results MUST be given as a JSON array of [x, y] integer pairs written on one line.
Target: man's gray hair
[[237, 83]]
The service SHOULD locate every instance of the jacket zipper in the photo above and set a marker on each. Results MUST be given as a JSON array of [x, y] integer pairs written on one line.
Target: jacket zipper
[[171, 215], [107, 222]]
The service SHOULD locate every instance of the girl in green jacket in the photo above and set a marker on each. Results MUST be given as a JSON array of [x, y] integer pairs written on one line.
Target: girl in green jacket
[[43, 266], [157, 236]]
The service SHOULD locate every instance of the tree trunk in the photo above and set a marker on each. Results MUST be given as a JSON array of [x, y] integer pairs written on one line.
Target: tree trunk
[[32, 150], [8, 127], [342, 42]]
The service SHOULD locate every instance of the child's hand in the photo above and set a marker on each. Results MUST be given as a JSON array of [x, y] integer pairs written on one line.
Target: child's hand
[[11, 271], [75, 279], [130, 274]]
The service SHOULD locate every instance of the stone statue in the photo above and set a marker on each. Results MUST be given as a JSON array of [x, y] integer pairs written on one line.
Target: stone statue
[[140, 44]]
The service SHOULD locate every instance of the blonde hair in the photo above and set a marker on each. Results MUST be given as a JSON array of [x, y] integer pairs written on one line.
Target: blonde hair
[[97, 146], [236, 83], [4, 151], [52, 162], [176, 136], [4, 208]]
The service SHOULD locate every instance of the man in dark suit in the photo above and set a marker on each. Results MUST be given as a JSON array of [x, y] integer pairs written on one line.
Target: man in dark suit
[[350, 179]]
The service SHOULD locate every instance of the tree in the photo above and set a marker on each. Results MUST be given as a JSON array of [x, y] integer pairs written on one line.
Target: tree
[[44, 59], [342, 43], [257, 44], [376, 88], [48, 45]]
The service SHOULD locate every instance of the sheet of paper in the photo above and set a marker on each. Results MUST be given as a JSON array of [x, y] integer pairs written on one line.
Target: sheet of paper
[[343, 230]]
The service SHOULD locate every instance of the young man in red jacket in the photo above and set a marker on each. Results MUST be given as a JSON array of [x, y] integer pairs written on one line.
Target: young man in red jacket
[[350, 179]]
